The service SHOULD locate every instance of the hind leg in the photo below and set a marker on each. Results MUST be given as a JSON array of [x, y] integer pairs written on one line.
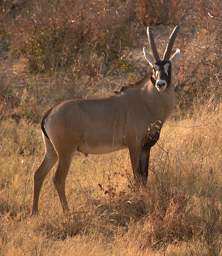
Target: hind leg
[[60, 178], [49, 160]]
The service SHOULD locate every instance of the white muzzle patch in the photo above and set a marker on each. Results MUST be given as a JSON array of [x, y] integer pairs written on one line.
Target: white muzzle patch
[[161, 85]]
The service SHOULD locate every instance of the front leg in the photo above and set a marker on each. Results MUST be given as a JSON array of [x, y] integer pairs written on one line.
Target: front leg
[[153, 134], [140, 154], [143, 165], [150, 139], [140, 162]]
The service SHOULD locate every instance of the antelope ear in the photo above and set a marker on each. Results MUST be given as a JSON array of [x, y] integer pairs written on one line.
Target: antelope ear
[[148, 58], [176, 55]]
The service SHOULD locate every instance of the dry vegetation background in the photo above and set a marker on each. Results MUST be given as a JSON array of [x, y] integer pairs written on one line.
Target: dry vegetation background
[[55, 50]]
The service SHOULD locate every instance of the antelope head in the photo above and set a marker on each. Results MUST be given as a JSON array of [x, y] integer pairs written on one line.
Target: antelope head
[[161, 68]]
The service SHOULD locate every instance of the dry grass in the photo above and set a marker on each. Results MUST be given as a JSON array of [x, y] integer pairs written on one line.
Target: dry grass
[[179, 213], [72, 52]]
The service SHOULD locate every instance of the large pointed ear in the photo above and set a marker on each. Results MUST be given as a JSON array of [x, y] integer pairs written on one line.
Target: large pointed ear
[[148, 58], [176, 55]]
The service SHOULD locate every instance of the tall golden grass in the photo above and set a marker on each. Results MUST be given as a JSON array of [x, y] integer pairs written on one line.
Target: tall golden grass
[[55, 50], [179, 213]]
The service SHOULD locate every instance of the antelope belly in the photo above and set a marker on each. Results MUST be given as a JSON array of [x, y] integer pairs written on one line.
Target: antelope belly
[[99, 149]]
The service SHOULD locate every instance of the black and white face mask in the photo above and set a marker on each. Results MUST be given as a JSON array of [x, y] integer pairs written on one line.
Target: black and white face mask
[[161, 76], [161, 67]]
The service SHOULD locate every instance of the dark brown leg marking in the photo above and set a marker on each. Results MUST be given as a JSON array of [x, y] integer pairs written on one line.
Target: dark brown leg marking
[[150, 140]]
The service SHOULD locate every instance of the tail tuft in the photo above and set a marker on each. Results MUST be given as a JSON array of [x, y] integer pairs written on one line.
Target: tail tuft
[[43, 128], [43, 122]]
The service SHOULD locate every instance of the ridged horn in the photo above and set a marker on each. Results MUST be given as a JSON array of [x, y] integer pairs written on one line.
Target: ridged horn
[[169, 47], [152, 44]]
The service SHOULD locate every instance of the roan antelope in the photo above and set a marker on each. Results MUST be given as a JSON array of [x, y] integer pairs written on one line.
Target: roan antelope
[[131, 119]]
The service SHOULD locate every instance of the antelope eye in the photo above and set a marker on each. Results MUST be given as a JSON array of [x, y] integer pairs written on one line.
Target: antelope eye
[[166, 68], [156, 70]]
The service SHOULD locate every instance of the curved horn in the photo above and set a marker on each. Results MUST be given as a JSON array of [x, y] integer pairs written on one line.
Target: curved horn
[[152, 44], [169, 46], [148, 59]]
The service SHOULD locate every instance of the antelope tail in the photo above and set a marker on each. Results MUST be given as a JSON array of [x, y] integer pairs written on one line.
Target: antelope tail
[[43, 122]]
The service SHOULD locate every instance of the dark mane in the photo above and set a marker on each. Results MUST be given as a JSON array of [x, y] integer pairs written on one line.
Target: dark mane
[[133, 86]]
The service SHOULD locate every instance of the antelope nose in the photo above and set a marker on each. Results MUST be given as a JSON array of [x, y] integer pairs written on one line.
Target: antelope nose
[[161, 83]]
